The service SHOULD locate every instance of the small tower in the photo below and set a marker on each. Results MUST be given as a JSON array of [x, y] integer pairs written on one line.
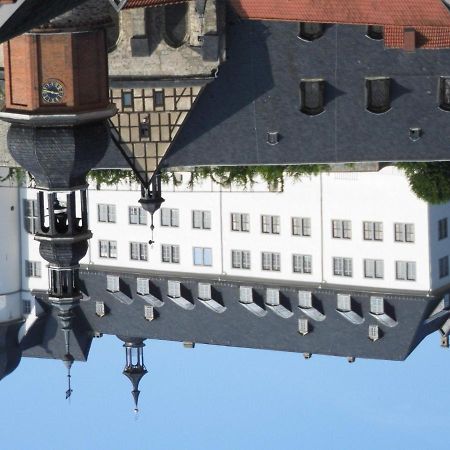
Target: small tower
[[151, 197], [134, 368]]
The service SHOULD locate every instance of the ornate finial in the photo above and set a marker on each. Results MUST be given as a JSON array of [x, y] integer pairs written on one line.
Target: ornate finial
[[68, 361]]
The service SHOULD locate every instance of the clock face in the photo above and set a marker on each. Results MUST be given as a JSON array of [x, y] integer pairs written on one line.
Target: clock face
[[52, 91]]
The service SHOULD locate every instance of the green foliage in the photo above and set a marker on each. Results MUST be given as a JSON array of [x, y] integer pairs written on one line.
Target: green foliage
[[430, 181], [111, 176], [16, 174]]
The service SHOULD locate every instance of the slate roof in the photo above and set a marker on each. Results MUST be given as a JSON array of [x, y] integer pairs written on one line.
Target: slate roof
[[257, 90], [380, 12]]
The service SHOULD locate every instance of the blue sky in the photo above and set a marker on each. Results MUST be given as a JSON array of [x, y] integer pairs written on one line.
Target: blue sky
[[231, 399]]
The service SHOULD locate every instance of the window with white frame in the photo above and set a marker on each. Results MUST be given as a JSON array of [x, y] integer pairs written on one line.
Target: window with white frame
[[240, 259], [305, 299], [173, 289], [341, 229], [373, 231], [301, 226], [377, 305], [442, 229], [112, 283], [344, 302], [170, 217], [204, 291], [443, 267], [374, 332], [107, 249], [240, 222], [270, 261], [270, 224], [201, 220], [302, 263], [202, 256], [404, 232], [139, 251], [373, 268], [30, 216], [142, 286], [106, 213], [405, 270], [342, 267], [26, 307], [137, 215], [33, 269], [170, 253]]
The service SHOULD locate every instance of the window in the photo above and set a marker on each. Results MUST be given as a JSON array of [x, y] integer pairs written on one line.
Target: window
[[240, 222], [373, 231], [144, 129], [201, 220], [303, 327], [204, 291], [176, 24], [443, 267], [404, 232], [302, 263], [343, 267], [26, 307], [138, 251], [309, 31], [240, 259], [378, 94], [377, 305], [33, 269], [342, 229], [142, 286], [137, 215], [245, 294], [442, 228], [127, 99], [107, 249], [444, 93], [30, 216], [170, 217], [344, 302], [270, 224], [301, 226], [373, 268], [305, 299], [170, 253], [174, 289], [312, 96], [374, 333], [202, 256], [375, 32], [271, 261], [107, 213], [158, 99], [112, 283], [405, 270]]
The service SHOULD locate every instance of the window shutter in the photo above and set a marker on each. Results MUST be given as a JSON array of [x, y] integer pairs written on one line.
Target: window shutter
[[175, 254], [197, 219], [175, 221], [207, 220]]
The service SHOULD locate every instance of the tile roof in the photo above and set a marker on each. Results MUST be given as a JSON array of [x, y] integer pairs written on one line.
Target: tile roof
[[426, 37], [381, 12], [144, 3]]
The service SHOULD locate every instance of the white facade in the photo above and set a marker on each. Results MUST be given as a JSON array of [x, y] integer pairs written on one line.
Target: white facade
[[356, 197]]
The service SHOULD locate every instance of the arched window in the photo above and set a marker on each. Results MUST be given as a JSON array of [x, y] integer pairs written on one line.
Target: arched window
[[444, 93], [375, 32], [378, 94], [176, 17], [309, 31], [312, 96]]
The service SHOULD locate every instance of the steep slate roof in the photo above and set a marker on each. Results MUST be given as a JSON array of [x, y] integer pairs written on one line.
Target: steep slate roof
[[381, 12], [257, 90]]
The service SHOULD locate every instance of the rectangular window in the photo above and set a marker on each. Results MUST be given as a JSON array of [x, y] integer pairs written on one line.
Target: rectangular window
[[139, 251], [26, 307], [344, 302], [127, 99], [341, 229], [270, 261], [405, 270], [112, 283], [170, 217], [270, 224], [202, 256], [107, 213], [302, 263], [443, 267], [404, 232], [373, 268], [174, 289], [342, 267], [30, 216], [301, 226], [142, 286], [240, 222], [107, 249], [201, 220], [377, 305], [137, 215], [240, 259], [373, 231], [33, 269], [443, 228], [158, 99], [170, 253]]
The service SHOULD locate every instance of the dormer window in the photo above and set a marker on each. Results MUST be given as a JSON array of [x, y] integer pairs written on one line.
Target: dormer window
[[174, 289], [444, 93], [377, 305], [312, 96], [309, 31], [303, 326], [378, 94], [344, 302], [375, 32], [304, 299], [374, 333], [112, 283]]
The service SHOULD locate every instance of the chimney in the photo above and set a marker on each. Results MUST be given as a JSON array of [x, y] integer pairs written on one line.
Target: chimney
[[409, 39]]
